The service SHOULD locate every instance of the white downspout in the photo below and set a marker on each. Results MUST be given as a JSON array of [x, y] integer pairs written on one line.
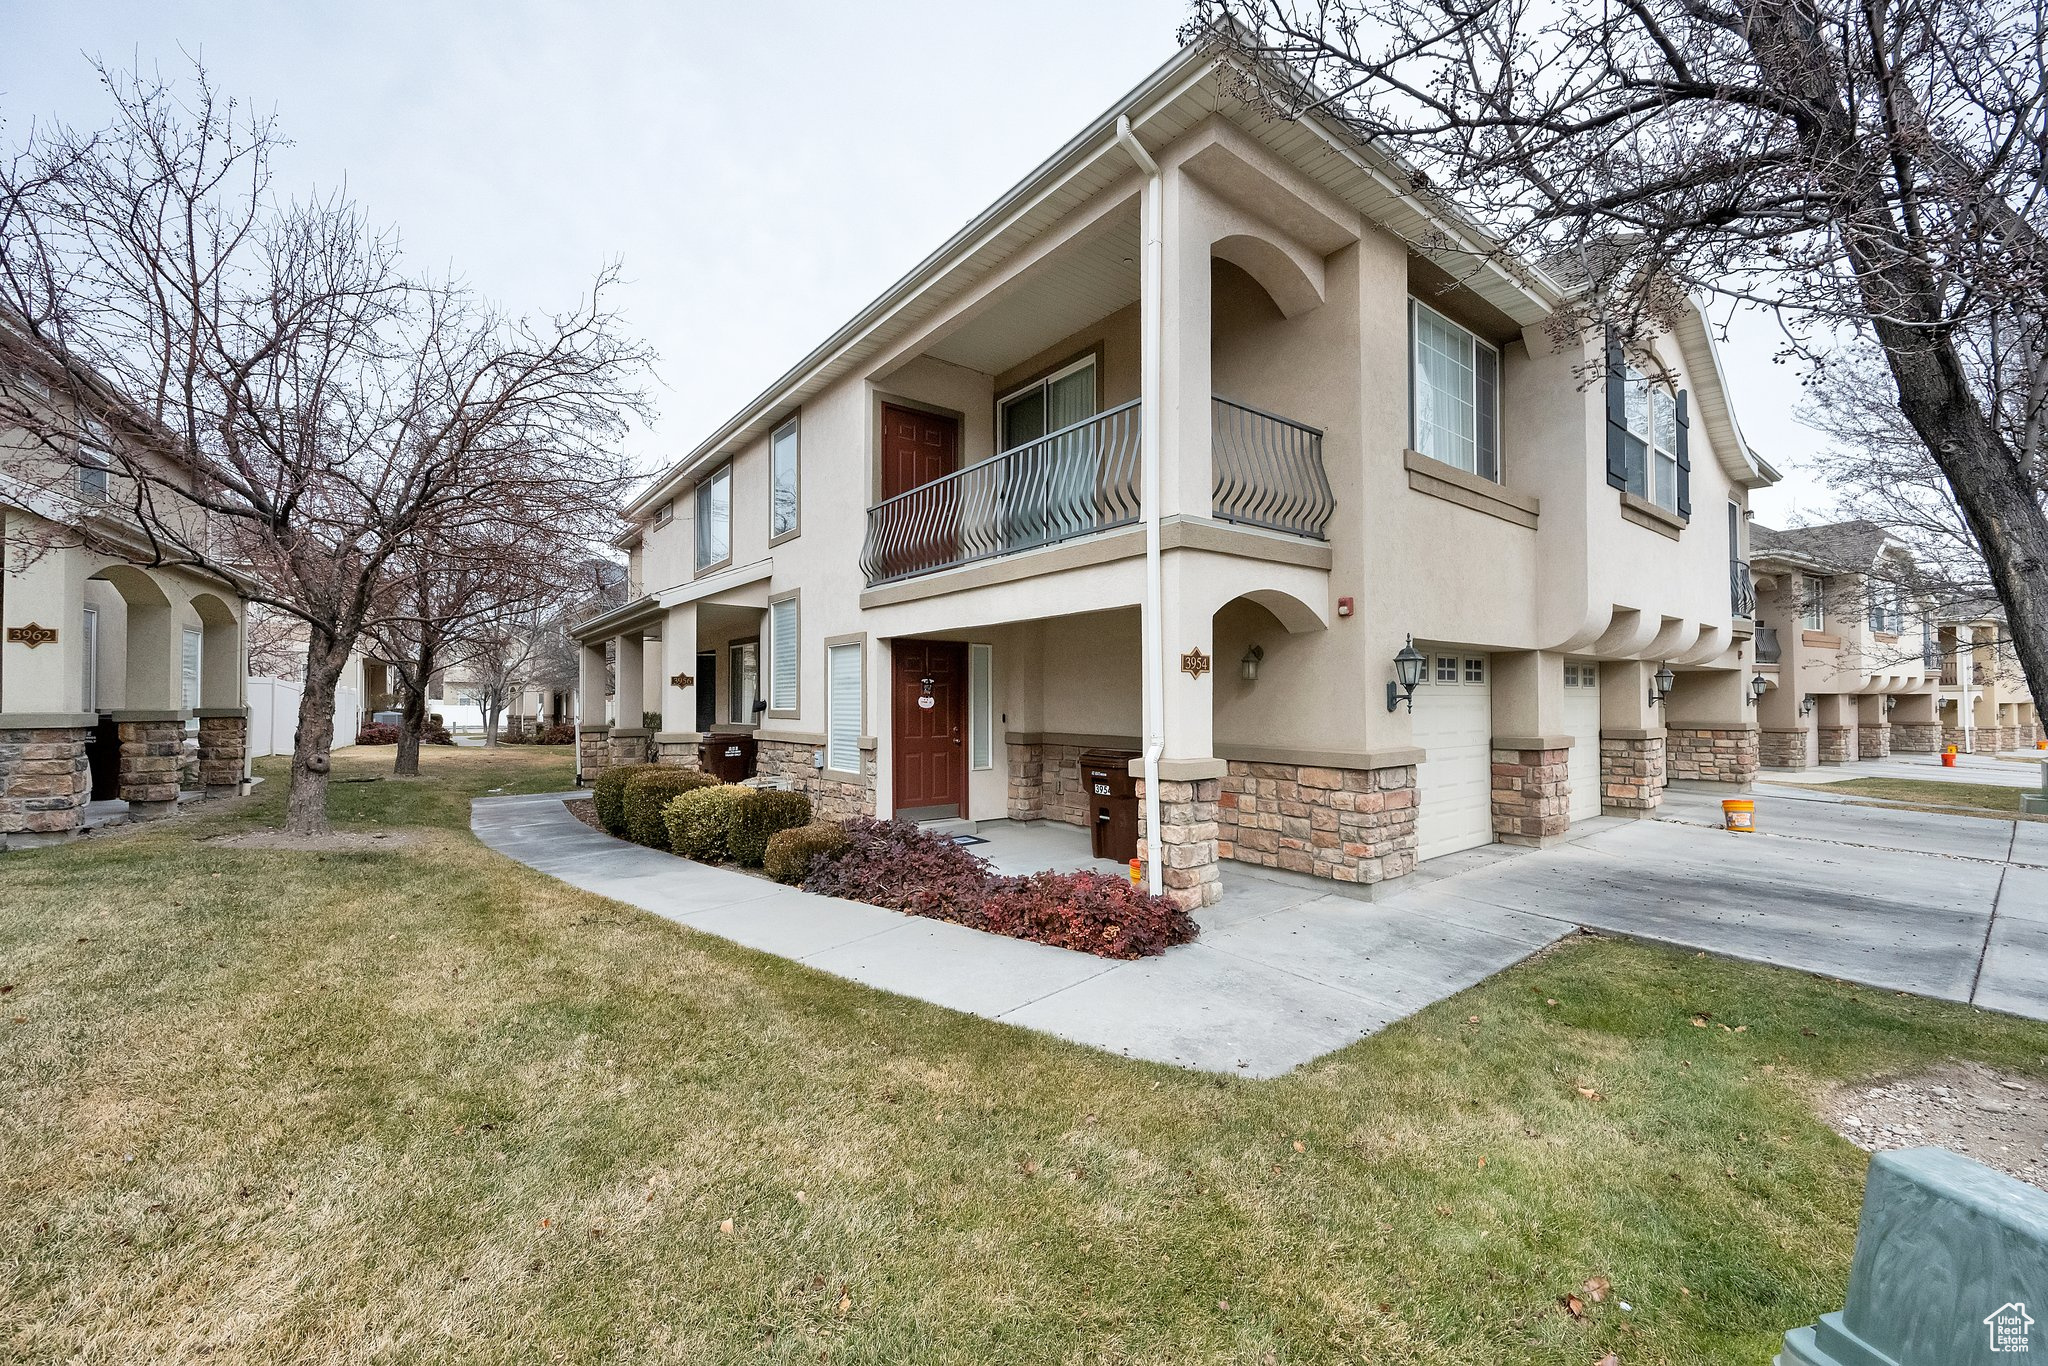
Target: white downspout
[[1152, 335]]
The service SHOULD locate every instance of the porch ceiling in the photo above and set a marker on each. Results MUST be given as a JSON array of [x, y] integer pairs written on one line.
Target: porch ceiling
[[1087, 281]]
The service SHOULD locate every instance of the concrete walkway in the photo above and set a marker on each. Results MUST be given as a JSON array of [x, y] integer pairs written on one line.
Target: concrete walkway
[[1282, 974], [1948, 906]]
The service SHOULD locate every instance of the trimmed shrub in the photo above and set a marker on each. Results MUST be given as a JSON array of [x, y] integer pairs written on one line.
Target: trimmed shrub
[[609, 793], [647, 792], [889, 863], [764, 813], [895, 864], [700, 822], [791, 854], [564, 734], [1097, 913], [377, 733]]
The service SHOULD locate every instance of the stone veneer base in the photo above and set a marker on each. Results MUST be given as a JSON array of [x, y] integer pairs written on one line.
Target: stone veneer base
[[1874, 741], [1782, 748], [150, 755], [1916, 737], [1347, 825], [223, 745], [1837, 744], [45, 782], [1713, 754], [1188, 828], [1532, 793], [1631, 774]]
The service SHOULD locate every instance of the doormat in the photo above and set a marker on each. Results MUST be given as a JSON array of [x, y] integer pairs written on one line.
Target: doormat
[[968, 839]]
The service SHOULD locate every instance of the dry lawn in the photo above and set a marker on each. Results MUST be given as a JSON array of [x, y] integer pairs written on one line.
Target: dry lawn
[[259, 1105]]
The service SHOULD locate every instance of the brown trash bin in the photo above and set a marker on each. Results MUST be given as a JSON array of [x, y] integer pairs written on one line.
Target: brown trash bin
[[728, 758], [1112, 804]]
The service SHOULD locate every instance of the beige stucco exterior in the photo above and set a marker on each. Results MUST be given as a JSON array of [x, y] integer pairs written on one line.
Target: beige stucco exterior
[[1281, 291]]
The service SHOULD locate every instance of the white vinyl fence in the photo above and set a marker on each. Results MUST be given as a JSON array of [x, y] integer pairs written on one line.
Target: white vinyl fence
[[274, 715]]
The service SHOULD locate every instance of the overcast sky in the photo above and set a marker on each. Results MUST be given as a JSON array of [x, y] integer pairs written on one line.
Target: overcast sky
[[761, 171]]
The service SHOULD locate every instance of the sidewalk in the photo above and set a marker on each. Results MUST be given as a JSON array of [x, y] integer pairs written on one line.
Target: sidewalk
[[1280, 976]]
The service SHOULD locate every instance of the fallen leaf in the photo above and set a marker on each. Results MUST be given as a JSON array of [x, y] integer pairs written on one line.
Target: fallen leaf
[[1609, 1360], [1482, 1164], [1588, 1092], [725, 1226], [1597, 1288], [1298, 1146], [1550, 1002], [1698, 1023], [802, 1199], [1573, 1305], [1223, 1305], [845, 1303], [1471, 1019], [1029, 1166], [1742, 1029]]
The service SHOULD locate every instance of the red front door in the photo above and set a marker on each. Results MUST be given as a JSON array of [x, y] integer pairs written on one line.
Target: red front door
[[930, 741]]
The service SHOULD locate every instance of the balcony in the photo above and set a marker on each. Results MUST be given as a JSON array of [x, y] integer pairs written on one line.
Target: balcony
[[1741, 590], [1767, 649], [1084, 479]]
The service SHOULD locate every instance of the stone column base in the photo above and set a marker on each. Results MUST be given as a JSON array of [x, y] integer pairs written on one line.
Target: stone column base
[[2008, 739], [1837, 744], [1957, 736], [593, 751], [1346, 824], [223, 745], [1187, 840], [1714, 754], [1027, 783], [1874, 742], [1916, 737], [1531, 795], [832, 798], [45, 783], [150, 751], [631, 745], [1782, 748], [1631, 774]]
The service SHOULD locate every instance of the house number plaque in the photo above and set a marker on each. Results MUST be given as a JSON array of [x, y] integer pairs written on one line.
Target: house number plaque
[[1194, 663], [682, 681], [31, 635]]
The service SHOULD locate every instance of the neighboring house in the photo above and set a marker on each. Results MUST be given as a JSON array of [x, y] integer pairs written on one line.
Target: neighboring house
[[916, 567], [111, 673], [1985, 703]]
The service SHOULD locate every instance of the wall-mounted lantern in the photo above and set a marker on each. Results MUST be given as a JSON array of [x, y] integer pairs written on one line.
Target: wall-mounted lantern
[[1249, 665], [1660, 684], [1407, 673], [1758, 686], [1807, 704]]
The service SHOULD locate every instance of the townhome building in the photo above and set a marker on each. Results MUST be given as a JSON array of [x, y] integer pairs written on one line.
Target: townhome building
[[1215, 446], [1985, 705], [115, 676]]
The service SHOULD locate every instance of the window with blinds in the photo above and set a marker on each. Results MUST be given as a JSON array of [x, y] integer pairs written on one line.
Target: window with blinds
[[782, 645], [842, 708], [189, 669], [980, 706]]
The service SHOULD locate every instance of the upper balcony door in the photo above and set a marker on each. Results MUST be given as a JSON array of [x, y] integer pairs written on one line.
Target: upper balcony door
[[917, 447]]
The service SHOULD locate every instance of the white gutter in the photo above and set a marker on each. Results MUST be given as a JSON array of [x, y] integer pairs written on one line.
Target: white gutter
[[1152, 334]]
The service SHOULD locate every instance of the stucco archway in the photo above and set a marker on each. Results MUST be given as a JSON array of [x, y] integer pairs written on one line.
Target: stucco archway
[[149, 640], [220, 652], [1289, 281]]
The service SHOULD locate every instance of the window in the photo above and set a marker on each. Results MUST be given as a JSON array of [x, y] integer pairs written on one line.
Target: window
[[1453, 393], [1475, 671], [714, 519], [1446, 668], [782, 458], [1813, 603], [89, 682], [1652, 439], [1046, 405], [92, 461], [980, 706], [1887, 608], [743, 680], [188, 668], [1582, 675], [666, 513], [782, 655], [843, 707]]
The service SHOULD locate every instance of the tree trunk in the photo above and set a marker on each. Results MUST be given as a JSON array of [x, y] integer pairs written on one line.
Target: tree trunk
[[491, 719], [1989, 485], [412, 723], [305, 809]]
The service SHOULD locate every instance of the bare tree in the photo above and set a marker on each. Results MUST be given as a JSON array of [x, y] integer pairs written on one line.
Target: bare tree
[[1872, 166], [264, 361], [529, 646]]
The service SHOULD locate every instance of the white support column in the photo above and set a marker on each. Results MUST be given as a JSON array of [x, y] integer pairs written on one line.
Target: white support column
[[629, 682], [1185, 384], [590, 685], [679, 661]]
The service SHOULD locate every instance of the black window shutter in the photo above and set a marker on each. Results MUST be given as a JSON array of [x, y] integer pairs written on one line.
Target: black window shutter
[[1684, 458], [1617, 414]]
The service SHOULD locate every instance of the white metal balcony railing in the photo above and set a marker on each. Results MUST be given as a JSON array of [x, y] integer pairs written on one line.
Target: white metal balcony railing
[[1084, 478]]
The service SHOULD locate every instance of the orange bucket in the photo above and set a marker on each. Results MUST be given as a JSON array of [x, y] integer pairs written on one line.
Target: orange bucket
[[2041, 744], [1739, 814], [1948, 757]]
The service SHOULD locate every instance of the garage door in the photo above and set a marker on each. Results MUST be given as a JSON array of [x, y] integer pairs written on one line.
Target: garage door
[[1454, 727], [1582, 723]]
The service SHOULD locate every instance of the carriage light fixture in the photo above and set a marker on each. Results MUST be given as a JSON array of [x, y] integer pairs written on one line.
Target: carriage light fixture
[[1660, 684], [1249, 665], [1758, 686], [1407, 673], [1807, 704]]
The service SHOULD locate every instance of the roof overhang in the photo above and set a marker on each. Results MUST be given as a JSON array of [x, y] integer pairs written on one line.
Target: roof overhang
[[1190, 87]]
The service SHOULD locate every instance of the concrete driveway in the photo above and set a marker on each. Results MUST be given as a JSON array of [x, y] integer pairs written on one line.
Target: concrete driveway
[[1947, 906]]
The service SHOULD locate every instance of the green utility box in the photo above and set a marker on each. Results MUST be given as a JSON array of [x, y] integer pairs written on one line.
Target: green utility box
[[1951, 1268]]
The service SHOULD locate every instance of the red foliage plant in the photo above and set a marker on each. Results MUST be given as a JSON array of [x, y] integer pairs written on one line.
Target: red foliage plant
[[895, 864]]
